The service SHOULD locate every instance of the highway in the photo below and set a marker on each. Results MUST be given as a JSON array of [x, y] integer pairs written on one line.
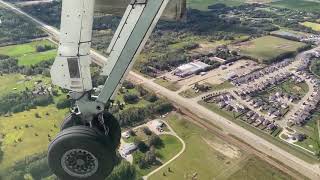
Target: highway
[[311, 171]]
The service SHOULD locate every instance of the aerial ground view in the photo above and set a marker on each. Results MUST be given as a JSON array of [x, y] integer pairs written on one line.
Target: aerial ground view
[[159, 89]]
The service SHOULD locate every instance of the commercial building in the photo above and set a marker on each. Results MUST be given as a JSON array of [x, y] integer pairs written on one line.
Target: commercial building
[[190, 68]]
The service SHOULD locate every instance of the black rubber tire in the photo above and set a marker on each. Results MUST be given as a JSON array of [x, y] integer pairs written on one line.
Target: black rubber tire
[[69, 121], [114, 128], [83, 138]]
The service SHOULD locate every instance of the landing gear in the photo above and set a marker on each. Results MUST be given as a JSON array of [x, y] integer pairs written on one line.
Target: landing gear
[[82, 152]]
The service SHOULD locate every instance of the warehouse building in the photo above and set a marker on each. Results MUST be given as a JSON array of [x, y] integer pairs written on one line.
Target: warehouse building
[[190, 68]]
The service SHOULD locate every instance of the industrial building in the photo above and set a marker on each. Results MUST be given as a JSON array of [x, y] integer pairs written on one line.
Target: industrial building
[[190, 68]]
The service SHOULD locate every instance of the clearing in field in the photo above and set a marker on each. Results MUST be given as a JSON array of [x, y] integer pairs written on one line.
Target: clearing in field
[[302, 5], [27, 54], [17, 82], [23, 134], [313, 26], [266, 48], [203, 4], [204, 157]]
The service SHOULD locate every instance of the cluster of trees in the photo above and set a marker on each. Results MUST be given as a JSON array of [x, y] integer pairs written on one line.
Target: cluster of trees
[[10, 65], [135, 115], [35, 166], [44, 48], [19, 102], [124, 171], [16, 29], [146, 156]]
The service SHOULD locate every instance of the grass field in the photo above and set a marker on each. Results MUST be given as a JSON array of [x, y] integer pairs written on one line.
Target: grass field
[[172, 146], [203, 4], [26, 135], [17, 82], [204, 159], [27, 53], [303, 5], [267, 47], [313, 26], [255, 168]]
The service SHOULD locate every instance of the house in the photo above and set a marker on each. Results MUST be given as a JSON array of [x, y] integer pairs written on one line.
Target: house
[[271, 126], [128, 149]]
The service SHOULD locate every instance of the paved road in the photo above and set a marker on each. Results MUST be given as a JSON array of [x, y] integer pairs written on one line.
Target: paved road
[[309, 170]]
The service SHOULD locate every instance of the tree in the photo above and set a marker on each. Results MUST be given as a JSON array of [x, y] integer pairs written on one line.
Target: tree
[[147, 131], [131, 98], [151, 156], [124, 171], [141, 145], [139, 159], [151, 97], [128, 85], [155, 140]]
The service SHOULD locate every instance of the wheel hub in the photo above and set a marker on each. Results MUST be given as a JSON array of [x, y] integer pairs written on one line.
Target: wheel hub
[[79, 163]]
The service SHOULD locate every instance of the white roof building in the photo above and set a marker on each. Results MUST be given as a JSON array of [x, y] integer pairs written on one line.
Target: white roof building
[[128, 149], [190, 68]]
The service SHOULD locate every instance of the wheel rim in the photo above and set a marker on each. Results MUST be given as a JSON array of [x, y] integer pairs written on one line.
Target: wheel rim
[[79, 163]]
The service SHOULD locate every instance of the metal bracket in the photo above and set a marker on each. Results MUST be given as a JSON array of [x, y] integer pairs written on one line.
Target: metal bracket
[[133, 2]]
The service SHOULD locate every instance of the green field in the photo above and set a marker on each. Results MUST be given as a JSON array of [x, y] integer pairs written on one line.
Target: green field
[[26, 135], [303, 5], [27, 53], [267, 47], [17, 82], [203, 4], [313, 26], [255, 168], [172, 146], [204, 158]]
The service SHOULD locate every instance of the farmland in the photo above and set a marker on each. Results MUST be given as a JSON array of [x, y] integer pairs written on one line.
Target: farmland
[[203, 4], [313, 26], [18, 82], [27, 53], [303, 5], [267, 48], [25, 131], [208, 157]]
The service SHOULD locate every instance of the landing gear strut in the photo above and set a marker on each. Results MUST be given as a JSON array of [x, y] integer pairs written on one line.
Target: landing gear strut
[[84, 152]]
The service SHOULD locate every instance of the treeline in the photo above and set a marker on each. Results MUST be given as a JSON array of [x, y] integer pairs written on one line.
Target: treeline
[[15, 28], [26, 100], [10, 65], [287, 55], [135, 115], [35, 166]]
